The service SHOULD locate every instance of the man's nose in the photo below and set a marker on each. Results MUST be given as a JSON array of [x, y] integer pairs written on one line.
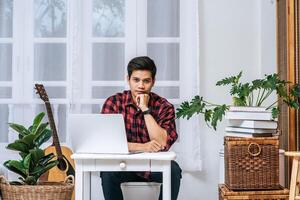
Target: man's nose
[[141, 84]]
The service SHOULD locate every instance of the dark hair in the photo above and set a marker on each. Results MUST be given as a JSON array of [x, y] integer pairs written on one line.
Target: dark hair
[[141, 63]]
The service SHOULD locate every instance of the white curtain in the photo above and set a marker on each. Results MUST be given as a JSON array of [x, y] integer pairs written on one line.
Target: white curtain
[[6, 17], [188, 147], [50, 65]]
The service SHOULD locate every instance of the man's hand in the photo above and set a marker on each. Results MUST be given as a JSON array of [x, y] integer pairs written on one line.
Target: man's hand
[[142, 101], [152, 146]]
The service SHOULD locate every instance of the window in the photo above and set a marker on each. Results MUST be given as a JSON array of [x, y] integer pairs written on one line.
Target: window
[[79, 51]]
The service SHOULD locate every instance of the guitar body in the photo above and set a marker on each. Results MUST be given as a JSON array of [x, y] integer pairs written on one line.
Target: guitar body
[[57, 174]]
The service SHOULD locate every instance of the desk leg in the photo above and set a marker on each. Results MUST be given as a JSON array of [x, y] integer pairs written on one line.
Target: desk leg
[[79, 180], [167, 180]]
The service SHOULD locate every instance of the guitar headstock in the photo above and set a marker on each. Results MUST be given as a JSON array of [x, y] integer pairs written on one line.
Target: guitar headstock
[[42, 92]]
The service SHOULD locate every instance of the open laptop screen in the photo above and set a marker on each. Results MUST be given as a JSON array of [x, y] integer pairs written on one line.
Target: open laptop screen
[[97, 133]]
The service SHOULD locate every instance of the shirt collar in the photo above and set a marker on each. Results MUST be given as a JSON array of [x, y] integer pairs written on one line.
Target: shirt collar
[[128, 98]]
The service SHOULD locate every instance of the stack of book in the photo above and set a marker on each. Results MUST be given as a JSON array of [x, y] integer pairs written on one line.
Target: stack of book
[[250, 122]]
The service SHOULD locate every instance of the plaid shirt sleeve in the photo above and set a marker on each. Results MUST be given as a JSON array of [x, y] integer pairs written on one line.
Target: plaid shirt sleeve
[[109, 106], [166, 120]]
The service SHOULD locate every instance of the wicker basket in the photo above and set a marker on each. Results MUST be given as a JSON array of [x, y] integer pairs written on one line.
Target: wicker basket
[[226, 194], [251, 163], [42, 191]]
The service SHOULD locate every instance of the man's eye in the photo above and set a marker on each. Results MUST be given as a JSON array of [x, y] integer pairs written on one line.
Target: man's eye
[[146, 81], [136, 80]]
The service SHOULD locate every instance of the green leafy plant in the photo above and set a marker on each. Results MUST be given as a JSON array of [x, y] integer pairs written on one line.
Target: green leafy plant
[[252, 93], [33, 161]]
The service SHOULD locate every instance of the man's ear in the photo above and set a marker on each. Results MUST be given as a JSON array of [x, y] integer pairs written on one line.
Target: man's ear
[[127, 78]]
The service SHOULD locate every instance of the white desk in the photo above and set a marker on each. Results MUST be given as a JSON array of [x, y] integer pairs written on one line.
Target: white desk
[[87, 163]]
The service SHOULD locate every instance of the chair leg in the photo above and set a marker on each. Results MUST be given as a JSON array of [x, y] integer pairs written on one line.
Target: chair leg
[[297, 191], [294, 191]]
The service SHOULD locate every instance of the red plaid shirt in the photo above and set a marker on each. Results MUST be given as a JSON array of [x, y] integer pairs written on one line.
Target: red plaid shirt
[[136, 130]]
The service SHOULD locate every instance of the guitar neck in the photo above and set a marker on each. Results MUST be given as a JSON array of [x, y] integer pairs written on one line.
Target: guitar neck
[[54, 131]]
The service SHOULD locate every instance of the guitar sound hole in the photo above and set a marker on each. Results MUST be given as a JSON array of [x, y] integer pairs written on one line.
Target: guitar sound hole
[[62, 165]]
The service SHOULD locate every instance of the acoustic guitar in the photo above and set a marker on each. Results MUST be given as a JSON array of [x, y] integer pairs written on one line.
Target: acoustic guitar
[[63, 154]]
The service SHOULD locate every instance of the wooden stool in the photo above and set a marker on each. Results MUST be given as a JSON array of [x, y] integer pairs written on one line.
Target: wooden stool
[[295, 176]]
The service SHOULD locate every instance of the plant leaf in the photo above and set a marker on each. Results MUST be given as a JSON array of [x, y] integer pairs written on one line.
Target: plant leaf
[[239, 101], [218, 113], [294, 104], [15, 183], [46, 159], [23, 155], [26, 163], [43, 137], [18, 146], [31, 180], [19, 129], [37, 121], [244, 90], [295, 91], [230, 80], [15, 166], [39, 170], [37, 154], [28, 140], [207, 114], [41, 128], [187, 109], [275, 112], [256, 84], [281, 90]]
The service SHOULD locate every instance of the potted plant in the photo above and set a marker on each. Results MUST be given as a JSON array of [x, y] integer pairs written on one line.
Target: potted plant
[[250, 94], [32, 165]]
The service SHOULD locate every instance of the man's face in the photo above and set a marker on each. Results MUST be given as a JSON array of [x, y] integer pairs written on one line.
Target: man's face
[[140, 82]]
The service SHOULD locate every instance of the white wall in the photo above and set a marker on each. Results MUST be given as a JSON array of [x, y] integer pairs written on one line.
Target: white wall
[[235, 35]]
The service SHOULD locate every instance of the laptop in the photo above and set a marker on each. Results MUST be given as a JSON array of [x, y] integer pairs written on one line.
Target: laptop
[[98, 133]]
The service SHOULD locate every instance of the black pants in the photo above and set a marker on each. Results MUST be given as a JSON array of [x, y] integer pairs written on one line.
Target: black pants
[[111, 182]]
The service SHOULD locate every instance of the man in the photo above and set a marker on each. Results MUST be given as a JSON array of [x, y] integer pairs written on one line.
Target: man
[[150, 127]]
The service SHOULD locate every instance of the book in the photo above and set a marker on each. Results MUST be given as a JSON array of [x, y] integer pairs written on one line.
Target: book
[[262, 124], [236, 134], [250, 130], [248, 109], [248, 115], [247, 135]]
